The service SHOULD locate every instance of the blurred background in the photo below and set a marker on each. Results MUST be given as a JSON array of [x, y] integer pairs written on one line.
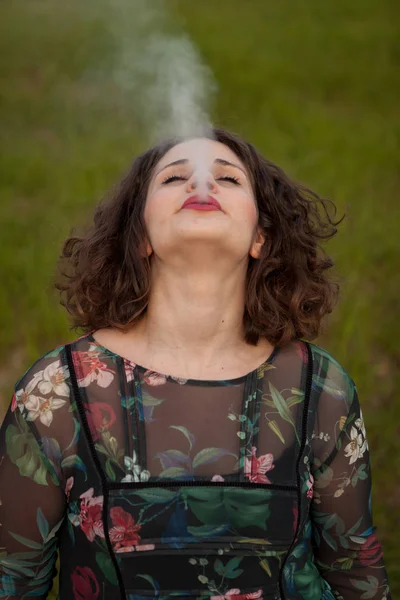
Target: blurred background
[[314, 85]]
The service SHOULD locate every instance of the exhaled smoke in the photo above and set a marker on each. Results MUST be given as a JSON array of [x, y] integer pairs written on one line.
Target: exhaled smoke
[[158, 72]]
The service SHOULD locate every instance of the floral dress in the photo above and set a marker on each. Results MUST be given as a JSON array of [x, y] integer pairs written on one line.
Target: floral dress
[[151, 486]]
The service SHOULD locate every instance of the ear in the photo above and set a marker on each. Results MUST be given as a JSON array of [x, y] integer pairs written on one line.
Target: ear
[[256, 247], [148, 250]]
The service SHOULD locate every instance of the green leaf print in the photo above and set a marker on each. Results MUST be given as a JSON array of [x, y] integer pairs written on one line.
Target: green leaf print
[[148, 400], [239, 508], [206, 530], [75, 437], [293, 400], [74, 461], [42, 524], [26, 542], [25, 453], [209, 455], [206, 503], [150, 579], [219, 567], [282, 407], [275, 428], [230, 570], [21, 570], [359, 474], [247, 507], [174, 472], [16, 556], [324, 478], [329, 540], [328, 386], [107, 567], [265, 565], [369, 587], [308, 582], [109, 470], [353, 529], [172, 458], [186, 433], [156, 495]]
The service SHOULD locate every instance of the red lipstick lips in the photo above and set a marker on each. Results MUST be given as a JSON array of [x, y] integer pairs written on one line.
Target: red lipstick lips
[[196, 203]]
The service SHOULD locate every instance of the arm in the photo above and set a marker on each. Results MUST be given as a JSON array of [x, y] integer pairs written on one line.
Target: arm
[[346, 549], [31, 511]]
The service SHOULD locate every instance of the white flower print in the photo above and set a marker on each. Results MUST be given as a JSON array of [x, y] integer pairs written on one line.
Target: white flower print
[[54, 377], [136, 474], [359, 423], [68, 487], [179, 380], [22, 396], [153, 378], [357, 446], [42, 408]]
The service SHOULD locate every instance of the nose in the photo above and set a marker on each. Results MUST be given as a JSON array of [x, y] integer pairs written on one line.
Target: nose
[[197, 181]]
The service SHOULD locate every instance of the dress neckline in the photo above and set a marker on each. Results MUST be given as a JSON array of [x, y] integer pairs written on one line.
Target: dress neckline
[[179, 380]]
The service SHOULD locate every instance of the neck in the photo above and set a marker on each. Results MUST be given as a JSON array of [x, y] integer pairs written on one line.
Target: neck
[[196, 314]]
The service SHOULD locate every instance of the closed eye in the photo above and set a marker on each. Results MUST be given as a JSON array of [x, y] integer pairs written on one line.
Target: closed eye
[[229, 178], [174, 178]]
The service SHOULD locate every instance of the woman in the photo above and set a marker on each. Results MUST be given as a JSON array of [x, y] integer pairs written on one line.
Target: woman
[[191, 443]]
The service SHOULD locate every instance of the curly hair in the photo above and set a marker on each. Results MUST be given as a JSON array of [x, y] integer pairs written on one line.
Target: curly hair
[[104, 274]]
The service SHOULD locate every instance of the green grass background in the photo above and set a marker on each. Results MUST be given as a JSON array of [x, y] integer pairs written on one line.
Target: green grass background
[[313, 84]]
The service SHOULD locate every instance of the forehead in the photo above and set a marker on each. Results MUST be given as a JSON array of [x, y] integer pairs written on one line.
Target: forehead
[[200, 150]]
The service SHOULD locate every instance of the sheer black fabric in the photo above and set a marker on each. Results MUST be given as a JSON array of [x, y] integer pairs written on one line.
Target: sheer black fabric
[[154, 486]]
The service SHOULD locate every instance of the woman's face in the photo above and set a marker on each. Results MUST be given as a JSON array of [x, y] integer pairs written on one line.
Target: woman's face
[[202, 170]]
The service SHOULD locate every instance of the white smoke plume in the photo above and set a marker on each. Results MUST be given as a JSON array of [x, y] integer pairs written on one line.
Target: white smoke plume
[[158, 71]]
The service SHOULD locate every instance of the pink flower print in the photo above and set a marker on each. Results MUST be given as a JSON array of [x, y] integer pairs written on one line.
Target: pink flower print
[[301, 351], [100, 416], [144, 547], [129, 369], [255, 468], [310, 485], [124, 533], [217, 478], [84, 584], [14, 403], [90, 518], [90, 368], [370, 551], [153, 378], [234, 594]]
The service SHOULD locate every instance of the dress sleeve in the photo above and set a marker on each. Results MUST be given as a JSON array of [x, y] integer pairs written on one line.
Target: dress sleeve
[[32, 483], [347, 551]]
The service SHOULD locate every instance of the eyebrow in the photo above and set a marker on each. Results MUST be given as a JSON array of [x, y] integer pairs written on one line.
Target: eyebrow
[[219, 161]]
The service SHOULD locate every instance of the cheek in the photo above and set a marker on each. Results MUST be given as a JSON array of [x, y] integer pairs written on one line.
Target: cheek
[[155, 204], [249, 211]]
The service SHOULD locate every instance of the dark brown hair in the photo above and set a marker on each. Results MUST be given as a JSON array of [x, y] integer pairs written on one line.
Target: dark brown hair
[[104, 276]]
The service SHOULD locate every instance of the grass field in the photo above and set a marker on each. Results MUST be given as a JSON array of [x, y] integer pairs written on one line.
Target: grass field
[[314, 85]]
